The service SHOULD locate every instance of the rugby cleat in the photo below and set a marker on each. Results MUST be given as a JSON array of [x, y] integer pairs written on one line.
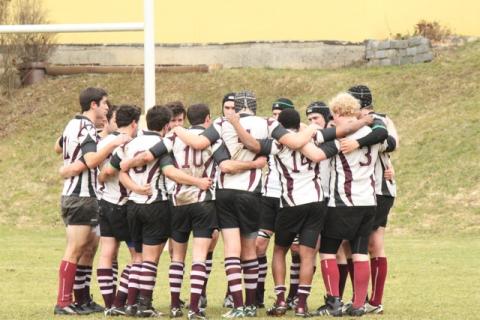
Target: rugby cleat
[[332, 307], [228, 302], [356, 312], [196, 316], [71, 309], [250, 311], [373, 309], [176, 312], [277, 310], [234, 313]]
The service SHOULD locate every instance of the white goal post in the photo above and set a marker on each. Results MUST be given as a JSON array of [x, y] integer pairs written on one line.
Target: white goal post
[[148, 28]]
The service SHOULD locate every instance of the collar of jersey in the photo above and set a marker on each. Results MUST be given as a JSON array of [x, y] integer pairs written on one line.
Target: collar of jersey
[[151, 133], [242, 115], [197, 126], [81, 116]]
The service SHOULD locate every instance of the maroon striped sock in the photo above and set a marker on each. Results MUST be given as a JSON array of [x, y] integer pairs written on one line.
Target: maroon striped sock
[[175, 278], [148, 277], [233, 270], [133, 283], [303, 293], [208, 263], [66, 280], [105, 282], [250, 280], [262, 275], [294, 274], [280, 293], [379, 275], [115, 276], [88, 279], [362, 274], [343, 270], [122, 292], [331, 276], [197, 281], [351, 272], [78, 288]]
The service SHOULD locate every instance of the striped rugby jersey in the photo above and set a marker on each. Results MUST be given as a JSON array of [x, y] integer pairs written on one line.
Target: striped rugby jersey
[[79, 138], [299, 177], [259, 128], [271, 180], [352, 178], [197, 163], [149, 173], [111, 190], [383, 186]]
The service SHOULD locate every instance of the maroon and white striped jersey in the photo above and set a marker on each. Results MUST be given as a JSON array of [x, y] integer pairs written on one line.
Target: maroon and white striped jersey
[[352, 178], [325, 176], [383, 186], [79, 138], [197, 163], [259, 128], [111, 190], [149, 173], [299, 177], [271, 180]]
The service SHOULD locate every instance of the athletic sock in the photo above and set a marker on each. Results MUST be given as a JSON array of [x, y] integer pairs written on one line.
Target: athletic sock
[[303, 293], [280, 293], [294, 274], [362, 274], [197, 282], [330, 276], [115, 276], [66, 280], [88, 279], [148, 277], [250, 279], [343, 270], [105, 282], [208, 264], [379, 274], [175, 278], [80, 282], [134, 283], [233, 270], [262, 274], [351, 272], [122, 292]]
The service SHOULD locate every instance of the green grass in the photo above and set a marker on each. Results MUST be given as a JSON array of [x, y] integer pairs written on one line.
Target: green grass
[[434, 105], [429, 278]]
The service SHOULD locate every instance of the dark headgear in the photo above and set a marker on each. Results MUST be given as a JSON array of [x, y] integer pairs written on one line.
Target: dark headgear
[[320, 108], [228, 97], [362, 94], [245, 99], [282, 104]]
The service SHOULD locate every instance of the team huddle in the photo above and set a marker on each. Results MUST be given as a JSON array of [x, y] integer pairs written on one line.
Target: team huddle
[[323, 189]]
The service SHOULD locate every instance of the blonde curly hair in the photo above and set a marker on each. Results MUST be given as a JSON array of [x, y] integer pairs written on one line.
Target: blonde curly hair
[[344, 105]]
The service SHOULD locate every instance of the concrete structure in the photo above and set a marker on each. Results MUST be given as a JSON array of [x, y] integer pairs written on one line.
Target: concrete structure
[[398, 52]]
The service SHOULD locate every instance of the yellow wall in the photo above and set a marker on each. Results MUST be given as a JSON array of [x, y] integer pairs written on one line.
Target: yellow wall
[[203, 21]]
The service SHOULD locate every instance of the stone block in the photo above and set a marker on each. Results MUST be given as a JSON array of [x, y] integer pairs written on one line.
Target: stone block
[[386, 62], [395, 61], [402, 52], [415, 41], [384, 44], [423, 48], [411, 51], [373, 63], [369, 54], [391, 52], [406, 60], [372, 44], [424, 57], [425, 41]]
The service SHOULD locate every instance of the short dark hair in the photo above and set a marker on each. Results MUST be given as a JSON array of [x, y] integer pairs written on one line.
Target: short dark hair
[[126, 114], [111, 109], [177, 108], [158, 117], [197, 113], [290, 119], [90, 95]]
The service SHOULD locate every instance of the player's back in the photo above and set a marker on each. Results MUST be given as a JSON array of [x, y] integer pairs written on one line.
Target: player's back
[[352, 180], [197, 163], [149, 173], [79, 135]]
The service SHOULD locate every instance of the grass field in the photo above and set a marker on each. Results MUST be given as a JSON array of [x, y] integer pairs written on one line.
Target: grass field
[[433, 236], [429, 278]]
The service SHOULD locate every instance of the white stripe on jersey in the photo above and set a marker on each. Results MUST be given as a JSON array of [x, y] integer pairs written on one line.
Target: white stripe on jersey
[[352, 180], [300, 177], [383, 186], [271, 180], [197, 163], [149, 173], [79, 130], [259, 128], [325, 176], [112, 190]]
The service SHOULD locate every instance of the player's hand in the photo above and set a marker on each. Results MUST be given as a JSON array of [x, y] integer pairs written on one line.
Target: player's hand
[[259, 163], [348, 145], [389, 173], [204, 183], [145, 190], [233, 118], [121, 139]]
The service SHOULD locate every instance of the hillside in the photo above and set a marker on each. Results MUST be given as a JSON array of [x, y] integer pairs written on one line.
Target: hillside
[[435, 107]]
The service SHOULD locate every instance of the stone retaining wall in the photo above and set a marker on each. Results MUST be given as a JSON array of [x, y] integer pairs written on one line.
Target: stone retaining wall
[[398, 52]]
